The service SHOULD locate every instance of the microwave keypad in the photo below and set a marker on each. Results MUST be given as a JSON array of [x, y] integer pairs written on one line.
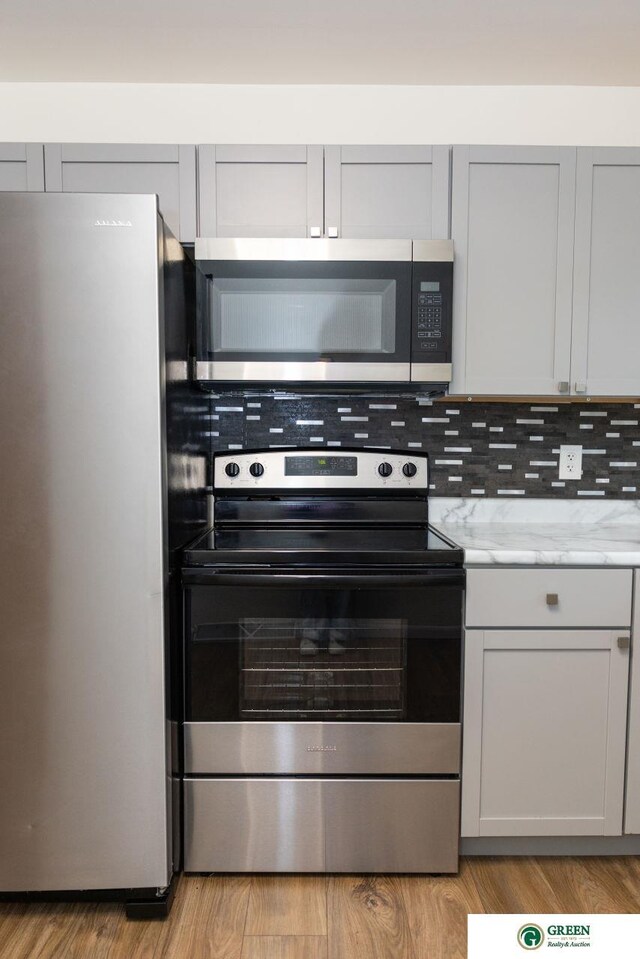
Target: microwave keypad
[[431, 312], [429, 318]]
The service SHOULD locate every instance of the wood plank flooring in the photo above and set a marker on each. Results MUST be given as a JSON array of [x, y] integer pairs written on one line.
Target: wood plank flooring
[[323, 917]]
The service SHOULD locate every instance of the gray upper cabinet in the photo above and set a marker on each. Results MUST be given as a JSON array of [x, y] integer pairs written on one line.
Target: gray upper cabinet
[[512, 226], [606, 298], [21, 167], [348, 191], [168, 171], [260, 191], [387, 191]]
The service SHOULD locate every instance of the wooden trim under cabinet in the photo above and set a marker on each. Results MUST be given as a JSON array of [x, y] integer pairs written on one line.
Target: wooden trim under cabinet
[[556, 400]]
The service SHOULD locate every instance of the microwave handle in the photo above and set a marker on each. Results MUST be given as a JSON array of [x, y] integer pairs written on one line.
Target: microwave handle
[[347, 580]]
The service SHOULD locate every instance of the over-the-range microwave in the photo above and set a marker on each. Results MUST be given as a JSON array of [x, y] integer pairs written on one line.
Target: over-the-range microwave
[[326, 313]]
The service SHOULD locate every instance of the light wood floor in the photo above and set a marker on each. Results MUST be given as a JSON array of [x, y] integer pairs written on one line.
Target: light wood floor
[[323, 917]]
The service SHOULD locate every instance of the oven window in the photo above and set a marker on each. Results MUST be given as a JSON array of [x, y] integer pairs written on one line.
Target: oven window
[[322, 665], [313, 654], [289, 315]]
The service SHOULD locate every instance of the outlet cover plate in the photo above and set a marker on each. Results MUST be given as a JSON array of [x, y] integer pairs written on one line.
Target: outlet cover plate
[[570, 463]]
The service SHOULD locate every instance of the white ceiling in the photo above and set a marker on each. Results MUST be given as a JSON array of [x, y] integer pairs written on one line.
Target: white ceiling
[[592, 42]]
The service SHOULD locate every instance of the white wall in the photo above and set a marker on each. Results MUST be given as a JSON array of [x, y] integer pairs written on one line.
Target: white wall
[[199, 113]]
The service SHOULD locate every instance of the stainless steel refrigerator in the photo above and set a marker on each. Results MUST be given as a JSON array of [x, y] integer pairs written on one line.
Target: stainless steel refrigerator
[[101, 482]]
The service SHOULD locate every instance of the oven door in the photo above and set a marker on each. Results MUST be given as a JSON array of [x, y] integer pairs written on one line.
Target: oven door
[[344, 316], [322, 672]]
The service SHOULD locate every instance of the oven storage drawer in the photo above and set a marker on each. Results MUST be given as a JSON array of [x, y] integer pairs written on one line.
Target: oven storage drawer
[[308, 748], [321, 825], [552, 597]]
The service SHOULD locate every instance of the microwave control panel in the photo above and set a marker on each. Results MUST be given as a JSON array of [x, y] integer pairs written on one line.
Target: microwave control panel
[[431, 312]]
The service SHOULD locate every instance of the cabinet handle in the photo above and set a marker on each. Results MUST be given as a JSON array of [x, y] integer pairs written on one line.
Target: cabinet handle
[[315, 231], [332, 232], [623, 642], [552, 599], [563, 386], [581, 387]]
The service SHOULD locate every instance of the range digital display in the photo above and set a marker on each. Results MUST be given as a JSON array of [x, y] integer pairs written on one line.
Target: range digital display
[[321, 466]]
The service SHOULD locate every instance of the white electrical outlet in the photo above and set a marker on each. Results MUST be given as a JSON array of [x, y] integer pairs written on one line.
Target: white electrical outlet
[[570, 463]]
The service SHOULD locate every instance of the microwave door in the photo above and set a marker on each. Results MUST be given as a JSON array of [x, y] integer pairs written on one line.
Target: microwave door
[[305, 321]]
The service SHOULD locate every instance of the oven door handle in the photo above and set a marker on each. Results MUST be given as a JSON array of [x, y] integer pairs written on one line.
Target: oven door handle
[[346, 580]]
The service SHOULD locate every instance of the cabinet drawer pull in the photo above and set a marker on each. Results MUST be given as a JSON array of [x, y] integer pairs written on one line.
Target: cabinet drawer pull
[[315, 231], [623, 642], [563, 386], [552, 599]]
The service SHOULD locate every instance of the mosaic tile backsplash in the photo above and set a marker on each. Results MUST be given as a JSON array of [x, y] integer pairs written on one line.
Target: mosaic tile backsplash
[[476, 449]]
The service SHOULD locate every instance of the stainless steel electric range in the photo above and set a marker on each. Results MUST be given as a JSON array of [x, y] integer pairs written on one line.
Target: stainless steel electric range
[[323, 634]]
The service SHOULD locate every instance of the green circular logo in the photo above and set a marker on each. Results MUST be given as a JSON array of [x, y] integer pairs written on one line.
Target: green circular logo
[[530, 936]]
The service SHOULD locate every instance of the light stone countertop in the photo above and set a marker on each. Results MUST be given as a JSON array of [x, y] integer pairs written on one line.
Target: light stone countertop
[[541, 532]]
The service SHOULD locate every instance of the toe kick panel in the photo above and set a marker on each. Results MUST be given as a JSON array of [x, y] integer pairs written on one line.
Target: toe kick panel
[[321, 825]]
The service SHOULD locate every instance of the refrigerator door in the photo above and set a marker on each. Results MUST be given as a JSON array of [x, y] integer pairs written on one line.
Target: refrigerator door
[[83, 751]]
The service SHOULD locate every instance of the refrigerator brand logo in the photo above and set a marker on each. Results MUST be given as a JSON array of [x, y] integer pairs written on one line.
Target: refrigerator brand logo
[[530, 936], [322, 749], [113, 223]]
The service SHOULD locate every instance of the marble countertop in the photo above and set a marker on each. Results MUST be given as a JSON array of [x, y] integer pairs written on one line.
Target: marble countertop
[[541, 532]]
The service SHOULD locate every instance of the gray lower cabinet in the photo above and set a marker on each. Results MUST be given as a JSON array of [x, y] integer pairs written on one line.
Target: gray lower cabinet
[[632, 804], [512, 227], [387, 191], [544, 732], [606, 296], [21, 167], [254, 190], [167, 170]]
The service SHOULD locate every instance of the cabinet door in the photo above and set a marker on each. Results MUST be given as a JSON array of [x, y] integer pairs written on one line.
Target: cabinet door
[[168, 171], [391, 192], [544, 733], [21, 167], [632, 804], [606, 299], [260, 191], [512, 226]]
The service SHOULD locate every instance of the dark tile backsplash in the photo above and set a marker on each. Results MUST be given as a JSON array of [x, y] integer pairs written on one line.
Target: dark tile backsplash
[[475, 448]]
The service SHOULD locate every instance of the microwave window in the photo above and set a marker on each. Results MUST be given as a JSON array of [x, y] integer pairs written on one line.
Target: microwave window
[[317, 316]]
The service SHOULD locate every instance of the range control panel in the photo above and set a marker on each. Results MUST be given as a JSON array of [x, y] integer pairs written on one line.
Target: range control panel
[[295, 469]]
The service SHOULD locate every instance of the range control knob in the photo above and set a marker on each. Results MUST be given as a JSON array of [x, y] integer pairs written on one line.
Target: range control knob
[[256, 469], [409, 469], [385, 469], [232, 469]]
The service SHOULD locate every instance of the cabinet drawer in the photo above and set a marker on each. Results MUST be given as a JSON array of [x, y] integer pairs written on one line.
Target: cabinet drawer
[[549, 597]]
